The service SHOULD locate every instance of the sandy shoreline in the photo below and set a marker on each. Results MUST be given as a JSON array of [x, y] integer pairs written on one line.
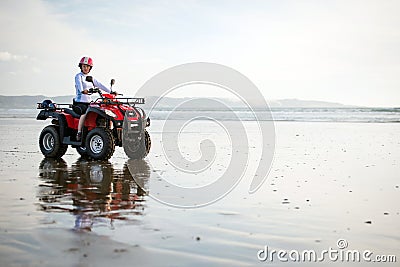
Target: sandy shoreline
[[328, 181]]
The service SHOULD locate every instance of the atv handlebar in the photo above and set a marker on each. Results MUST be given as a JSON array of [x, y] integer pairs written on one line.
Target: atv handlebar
[[97, 90], [94, 90], [129, 100]]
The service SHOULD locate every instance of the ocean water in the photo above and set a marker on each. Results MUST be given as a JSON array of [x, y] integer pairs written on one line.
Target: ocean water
[[362, 115]]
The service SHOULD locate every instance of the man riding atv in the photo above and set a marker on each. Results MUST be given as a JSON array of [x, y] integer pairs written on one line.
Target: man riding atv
[[94, 128], [82, 99]]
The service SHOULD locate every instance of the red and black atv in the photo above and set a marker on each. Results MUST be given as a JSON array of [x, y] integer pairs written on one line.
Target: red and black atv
[[110, 121]]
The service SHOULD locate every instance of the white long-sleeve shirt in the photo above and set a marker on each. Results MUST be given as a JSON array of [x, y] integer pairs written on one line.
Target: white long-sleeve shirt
[[81, 84]]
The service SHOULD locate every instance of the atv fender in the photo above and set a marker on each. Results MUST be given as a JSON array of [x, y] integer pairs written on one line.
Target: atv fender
[[91, 117], [62, 122]]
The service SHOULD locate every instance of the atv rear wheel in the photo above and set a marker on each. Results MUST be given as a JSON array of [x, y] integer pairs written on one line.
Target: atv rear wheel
[[50, 143], [140, 148], [100, 144]]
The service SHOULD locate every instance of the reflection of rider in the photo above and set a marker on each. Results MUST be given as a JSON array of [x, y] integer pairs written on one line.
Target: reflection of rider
[[83, 221], [82, 99]]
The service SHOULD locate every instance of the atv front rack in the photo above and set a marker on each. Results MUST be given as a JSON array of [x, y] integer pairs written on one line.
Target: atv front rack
[[132, 101]]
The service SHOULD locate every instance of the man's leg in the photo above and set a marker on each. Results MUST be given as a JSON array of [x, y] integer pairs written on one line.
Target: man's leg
[[80, 126]]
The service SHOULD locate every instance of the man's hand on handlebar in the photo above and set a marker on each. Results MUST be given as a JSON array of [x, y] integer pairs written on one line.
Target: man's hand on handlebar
[[96, 90], [115, 93], [92, 91]]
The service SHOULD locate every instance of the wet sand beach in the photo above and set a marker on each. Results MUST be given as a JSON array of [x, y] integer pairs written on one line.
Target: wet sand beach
[[328, 181]]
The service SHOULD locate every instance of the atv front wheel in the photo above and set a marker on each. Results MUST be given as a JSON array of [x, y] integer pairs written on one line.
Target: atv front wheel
[[50, 143], [82, 151], [140, 148], [100, 144]]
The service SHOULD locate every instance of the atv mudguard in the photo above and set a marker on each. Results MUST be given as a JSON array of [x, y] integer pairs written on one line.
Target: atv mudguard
[[62, 122], [92, 114]]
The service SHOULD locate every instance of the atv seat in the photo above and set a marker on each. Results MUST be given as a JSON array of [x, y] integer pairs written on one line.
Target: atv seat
[[72, 113]]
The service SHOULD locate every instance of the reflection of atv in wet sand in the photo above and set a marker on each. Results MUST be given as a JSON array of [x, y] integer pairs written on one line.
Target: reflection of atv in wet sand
[[93, 176], [96, 190], [110, 121]]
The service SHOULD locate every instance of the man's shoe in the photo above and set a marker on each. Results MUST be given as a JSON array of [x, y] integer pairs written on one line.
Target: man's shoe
[[78, 136]]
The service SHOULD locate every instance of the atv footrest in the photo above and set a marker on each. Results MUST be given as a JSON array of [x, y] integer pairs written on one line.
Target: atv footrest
[[67, 141]]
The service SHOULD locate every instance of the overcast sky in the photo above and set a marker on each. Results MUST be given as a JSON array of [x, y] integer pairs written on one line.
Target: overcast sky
[[341, 51]]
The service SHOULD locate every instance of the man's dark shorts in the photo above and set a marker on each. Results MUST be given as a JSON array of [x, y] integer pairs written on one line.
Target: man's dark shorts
[[80, 107]]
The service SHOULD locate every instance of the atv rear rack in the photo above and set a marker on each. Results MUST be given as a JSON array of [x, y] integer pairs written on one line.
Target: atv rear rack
[[56, 106]]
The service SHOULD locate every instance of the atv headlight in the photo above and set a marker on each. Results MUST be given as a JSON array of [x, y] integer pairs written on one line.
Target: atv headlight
[[110, 113]]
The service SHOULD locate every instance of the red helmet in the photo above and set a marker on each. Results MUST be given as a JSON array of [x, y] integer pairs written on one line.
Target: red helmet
[[86, 61]]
